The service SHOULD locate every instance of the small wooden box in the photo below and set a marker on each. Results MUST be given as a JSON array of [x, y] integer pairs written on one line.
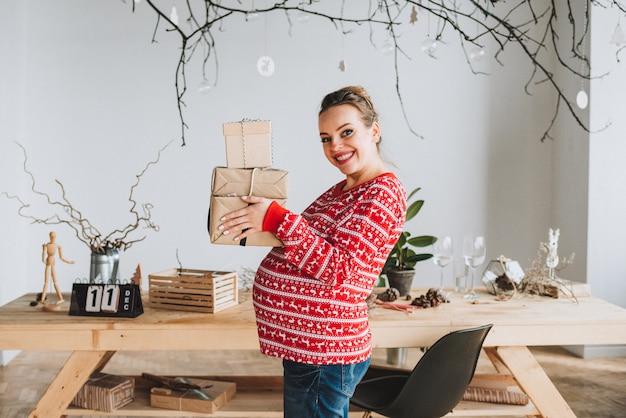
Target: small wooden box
[[105, 392], [193, 290], [219, 393]]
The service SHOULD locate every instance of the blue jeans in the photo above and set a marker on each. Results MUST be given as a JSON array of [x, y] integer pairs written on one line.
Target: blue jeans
[[320, 391]]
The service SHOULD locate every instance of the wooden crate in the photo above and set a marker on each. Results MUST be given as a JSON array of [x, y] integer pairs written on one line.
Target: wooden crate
[[193, 290]]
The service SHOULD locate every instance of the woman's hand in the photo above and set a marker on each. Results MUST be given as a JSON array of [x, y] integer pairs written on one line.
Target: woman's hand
[[248, 220]]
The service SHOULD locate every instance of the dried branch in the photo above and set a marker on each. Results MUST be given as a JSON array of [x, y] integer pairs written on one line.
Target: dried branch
[[537, 280], [82, 227], [519, 24]]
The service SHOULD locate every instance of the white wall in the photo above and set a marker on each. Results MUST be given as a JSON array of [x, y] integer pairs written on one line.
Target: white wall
[[92, 100], [607, 172]]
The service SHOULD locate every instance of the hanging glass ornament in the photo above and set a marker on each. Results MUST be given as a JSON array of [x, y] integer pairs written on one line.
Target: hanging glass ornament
[[477, 53], [582, 100], [265, 66], [387, 48], [204, 87], [252, 16], [303, 17], [429, 46], [342, 66]]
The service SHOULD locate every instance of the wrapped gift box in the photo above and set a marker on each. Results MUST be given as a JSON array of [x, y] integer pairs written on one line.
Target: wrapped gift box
[[266, 182], [229, 184], [210, 399], [248, 144], [220, 206], [105, 392]]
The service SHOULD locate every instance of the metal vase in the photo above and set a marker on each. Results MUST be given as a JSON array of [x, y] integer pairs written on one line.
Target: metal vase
[[105, 265]]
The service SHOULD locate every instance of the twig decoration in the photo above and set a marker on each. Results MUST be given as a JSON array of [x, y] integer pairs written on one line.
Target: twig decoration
[[85, 231]]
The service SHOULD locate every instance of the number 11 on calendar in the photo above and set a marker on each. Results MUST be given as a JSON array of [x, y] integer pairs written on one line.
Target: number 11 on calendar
[[102, 298]]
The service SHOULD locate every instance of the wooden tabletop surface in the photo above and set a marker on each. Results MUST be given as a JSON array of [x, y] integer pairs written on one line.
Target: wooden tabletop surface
[[525, 320]]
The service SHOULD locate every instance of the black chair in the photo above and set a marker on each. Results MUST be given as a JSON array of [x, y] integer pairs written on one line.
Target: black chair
[[434, 386]]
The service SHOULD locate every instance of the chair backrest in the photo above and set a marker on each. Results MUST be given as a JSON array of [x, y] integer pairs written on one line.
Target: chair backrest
[[441, 377]]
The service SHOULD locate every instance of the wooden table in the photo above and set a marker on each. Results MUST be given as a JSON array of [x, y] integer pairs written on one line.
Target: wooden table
[[518, 323]]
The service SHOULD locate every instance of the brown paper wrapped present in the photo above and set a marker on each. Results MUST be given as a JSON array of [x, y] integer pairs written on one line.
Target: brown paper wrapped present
[[248, 144], [220, 206], [266, 182], [229, 184], [105, 392], [210, 399]]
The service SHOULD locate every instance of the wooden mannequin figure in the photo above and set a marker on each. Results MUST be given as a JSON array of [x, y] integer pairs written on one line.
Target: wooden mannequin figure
[[49, 251]]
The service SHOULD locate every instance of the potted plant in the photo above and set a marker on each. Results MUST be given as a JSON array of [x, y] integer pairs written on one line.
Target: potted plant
[[400, 265]]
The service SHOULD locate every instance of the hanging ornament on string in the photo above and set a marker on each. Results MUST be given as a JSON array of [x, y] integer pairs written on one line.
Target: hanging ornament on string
[[303, 17], [342, 63], [204, 87], [252, 15], [429, 46], [265, 64], [477, 53], [582, 100], [387, 47]]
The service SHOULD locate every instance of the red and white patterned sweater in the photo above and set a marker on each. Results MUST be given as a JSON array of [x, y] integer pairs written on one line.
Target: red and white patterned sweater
[[309, 296]]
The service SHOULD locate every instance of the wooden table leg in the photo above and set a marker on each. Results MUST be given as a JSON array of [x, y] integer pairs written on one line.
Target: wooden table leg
[[68, 382], [535, 382]]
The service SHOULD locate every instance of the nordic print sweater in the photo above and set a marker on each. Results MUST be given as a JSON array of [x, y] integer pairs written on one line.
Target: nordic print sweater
[[309, 295]]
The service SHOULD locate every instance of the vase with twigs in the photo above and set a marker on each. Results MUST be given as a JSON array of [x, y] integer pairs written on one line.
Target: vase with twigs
[[104, 248]]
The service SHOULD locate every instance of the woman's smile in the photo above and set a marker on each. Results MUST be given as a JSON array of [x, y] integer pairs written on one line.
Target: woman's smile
[[343, 157]]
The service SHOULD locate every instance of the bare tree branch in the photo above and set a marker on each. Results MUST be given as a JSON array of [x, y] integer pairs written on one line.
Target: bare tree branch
[[528, 25]]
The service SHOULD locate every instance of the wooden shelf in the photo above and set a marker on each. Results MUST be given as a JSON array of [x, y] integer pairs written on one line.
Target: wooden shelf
[[253, 402], [266, 404], [244, 405]]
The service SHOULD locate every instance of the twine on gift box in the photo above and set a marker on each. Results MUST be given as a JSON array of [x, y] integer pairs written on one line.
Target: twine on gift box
[[254, 170], [198, 393], [243, 140], [242, 242]]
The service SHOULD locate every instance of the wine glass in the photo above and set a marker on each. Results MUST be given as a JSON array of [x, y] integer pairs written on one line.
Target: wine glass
[[442, 255], [474, 255]]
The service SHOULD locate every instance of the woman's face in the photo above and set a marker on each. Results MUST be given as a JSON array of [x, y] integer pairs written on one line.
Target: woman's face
[[348, 144]]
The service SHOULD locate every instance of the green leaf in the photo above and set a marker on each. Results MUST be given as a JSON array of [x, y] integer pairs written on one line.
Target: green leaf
[[417, 189], [402, 239], [402, 255], [414, 209], [418, 257], [422, 241]]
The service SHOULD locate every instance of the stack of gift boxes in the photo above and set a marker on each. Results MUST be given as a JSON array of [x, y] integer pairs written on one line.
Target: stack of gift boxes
[[248, 172]]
